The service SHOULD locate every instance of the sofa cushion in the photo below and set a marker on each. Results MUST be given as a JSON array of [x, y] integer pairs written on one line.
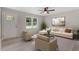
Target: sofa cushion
[[67, 30]]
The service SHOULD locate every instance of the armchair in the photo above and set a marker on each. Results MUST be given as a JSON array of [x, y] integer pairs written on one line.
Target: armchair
[[42, 42], [27, 35]]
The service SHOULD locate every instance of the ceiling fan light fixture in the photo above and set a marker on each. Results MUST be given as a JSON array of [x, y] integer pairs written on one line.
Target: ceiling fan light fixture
[[45, 12]]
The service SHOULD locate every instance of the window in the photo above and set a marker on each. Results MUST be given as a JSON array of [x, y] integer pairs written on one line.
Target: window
[[28, 21], [31, 22]]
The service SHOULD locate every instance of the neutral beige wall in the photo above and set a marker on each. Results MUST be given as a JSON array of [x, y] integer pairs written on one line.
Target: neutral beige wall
[[23, 25], [71, 18], [20, 22]]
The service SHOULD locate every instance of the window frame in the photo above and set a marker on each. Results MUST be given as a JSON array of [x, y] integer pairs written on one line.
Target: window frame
[[32, 26]]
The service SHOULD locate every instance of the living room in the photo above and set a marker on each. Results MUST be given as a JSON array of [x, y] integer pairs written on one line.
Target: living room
[[22, 26]]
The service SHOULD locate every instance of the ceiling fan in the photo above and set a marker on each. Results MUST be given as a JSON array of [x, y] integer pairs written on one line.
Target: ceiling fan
[[46, 10]]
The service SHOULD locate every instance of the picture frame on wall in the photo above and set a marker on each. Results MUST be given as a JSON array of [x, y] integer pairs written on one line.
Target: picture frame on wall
[[58, 21]]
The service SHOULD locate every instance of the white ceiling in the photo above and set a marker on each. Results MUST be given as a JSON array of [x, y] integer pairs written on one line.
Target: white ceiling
[[35, 10]]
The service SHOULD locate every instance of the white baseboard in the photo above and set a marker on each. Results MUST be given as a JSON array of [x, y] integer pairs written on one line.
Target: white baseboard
[[12, 38]]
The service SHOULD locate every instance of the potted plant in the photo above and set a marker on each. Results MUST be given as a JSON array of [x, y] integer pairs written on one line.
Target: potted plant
[[43, 25]]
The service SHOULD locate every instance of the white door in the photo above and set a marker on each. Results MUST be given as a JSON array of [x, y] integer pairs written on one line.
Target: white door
[[9, 25]]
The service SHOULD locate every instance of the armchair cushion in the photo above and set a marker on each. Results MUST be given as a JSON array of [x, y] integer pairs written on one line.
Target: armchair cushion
[[42, 37]]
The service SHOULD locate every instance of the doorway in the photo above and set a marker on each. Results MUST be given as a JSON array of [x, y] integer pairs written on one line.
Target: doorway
[[9, 24]]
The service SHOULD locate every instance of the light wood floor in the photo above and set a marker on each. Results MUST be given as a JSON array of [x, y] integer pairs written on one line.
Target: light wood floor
[[21, 45], [18, 45]]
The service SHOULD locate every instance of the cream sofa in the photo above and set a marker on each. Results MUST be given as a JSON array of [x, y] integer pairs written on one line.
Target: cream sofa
[[63, 34], [59, 32], [43, 43]]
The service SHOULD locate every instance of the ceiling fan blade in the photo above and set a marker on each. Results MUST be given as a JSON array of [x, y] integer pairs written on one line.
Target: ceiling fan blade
[[52, 10], [40, 10]]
